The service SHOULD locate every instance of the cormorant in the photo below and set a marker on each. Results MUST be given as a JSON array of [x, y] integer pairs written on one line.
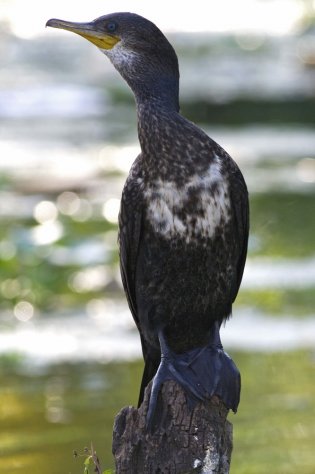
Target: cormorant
[[183, 222]]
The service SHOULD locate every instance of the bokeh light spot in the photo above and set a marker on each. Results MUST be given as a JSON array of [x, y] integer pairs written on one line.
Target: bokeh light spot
[[111, 210], [23, 311], [47, 233], [84, 211], [68, 203], [306, 170], [90, 279], [45, 211]]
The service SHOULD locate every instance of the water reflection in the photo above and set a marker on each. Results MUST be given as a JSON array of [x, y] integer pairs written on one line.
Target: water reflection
[[46, 415], [55, 411], [104, 331]]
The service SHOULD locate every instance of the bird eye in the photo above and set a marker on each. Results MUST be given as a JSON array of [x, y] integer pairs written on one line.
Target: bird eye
[[111, 26]]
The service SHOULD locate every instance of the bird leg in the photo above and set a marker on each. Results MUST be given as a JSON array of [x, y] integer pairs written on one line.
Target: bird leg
[[168, 370], [201, 372]]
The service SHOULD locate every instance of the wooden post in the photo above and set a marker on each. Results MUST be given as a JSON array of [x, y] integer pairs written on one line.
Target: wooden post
[[183, 441]]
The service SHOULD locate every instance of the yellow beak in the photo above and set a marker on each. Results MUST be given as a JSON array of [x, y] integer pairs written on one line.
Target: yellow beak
[[88, 31]]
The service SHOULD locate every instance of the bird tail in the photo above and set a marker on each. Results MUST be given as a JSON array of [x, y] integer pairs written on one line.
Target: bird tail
[[150, 369]]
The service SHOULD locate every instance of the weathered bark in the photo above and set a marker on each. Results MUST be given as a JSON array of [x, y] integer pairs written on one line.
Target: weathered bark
[[183, 441]]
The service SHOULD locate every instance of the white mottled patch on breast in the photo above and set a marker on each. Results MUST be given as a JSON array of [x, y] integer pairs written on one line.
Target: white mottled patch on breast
[[195, 209], [160, 215]]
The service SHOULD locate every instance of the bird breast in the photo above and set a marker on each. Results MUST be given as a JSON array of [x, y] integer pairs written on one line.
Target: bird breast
[[193, 210]]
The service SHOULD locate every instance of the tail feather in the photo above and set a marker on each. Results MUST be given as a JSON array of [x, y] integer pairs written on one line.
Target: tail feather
[[150, 369]]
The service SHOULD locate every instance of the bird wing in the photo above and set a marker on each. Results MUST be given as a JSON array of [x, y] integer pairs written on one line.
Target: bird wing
[[130, 225], [241, 214]]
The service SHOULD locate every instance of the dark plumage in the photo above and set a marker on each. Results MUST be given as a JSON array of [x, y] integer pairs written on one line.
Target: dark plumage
[[183, 223]]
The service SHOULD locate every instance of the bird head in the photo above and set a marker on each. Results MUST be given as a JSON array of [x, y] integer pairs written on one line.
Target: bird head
[[136, 47]]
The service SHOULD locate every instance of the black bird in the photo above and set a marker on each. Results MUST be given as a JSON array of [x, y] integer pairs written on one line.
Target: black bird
[[183, 223]]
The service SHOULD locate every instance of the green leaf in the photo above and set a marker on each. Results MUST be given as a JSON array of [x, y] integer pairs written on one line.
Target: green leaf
[[87, 461]]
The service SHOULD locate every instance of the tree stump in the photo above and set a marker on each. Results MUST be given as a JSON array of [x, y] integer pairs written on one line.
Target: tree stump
[[183, 441]]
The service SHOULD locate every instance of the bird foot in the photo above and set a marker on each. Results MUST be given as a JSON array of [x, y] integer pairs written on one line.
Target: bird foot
[[169, 369], [201, 372]]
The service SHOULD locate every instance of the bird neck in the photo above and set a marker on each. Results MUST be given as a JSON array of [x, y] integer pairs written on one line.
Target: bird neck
[[157, 106], [160, 93], [155, 119]]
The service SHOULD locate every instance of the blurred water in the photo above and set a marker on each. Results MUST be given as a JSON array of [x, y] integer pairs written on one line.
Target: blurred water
[[99, 336]]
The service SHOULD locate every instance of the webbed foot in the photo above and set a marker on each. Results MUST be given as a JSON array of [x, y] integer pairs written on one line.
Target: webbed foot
[[201, 372]]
